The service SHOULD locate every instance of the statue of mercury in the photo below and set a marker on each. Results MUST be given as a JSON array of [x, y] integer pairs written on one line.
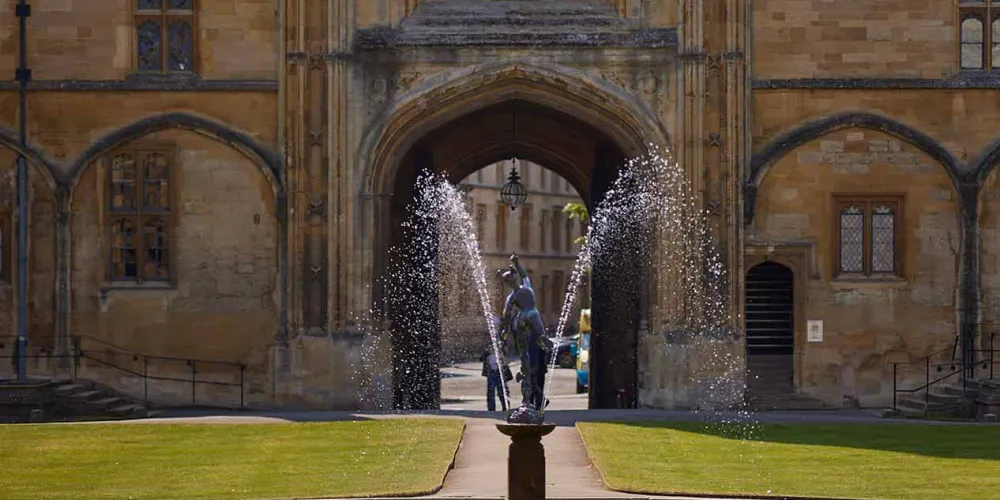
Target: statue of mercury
[[521, 318]]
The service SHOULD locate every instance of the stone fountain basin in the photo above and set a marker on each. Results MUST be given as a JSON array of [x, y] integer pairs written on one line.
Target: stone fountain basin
[[525, 431]]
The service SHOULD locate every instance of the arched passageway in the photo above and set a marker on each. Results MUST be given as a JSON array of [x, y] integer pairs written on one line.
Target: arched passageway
[[589, 159]]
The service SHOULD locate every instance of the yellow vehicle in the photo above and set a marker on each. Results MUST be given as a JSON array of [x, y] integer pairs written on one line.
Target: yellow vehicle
[[583, 353]]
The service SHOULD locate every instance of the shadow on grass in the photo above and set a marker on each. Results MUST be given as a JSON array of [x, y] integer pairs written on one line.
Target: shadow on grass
[[961, 442]]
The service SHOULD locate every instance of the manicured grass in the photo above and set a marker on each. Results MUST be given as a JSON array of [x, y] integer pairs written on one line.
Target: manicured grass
[[882, 461], [221, 461]]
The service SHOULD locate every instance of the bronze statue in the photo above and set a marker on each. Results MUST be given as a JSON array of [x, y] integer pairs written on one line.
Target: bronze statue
[[521, 318]]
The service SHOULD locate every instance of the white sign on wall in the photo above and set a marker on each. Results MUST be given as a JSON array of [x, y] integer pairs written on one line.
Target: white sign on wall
[[814, 330]]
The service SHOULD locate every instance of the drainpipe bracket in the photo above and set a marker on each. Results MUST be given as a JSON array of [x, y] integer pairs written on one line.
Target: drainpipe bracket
[[22, 10], [23, 75]]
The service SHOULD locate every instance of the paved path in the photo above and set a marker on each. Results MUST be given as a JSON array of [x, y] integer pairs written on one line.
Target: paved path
[[482, 462]]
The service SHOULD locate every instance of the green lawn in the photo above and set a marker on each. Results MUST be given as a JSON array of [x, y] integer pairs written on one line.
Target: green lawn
[[219, 461], [847, 461]]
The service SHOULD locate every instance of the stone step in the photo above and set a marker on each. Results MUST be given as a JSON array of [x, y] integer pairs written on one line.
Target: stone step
[[785, 402], [86, 395], [128, 411], [919, 404], [494, 7], [106, 403], [517, 19], [67, 389]]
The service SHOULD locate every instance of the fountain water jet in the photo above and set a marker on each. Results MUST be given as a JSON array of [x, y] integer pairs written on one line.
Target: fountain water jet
[[647, 229]]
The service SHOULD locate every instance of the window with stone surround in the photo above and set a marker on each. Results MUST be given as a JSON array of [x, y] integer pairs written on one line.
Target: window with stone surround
[[868, 236], [139, 210], [543, 295], [526, 227], [556, 229], [6, 244], [165, 37], [501, 226], [481, 224], [979, 32], [558, 290], [542, 238]]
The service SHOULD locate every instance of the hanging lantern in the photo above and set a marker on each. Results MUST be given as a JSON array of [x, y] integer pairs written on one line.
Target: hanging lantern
[[513, 193]]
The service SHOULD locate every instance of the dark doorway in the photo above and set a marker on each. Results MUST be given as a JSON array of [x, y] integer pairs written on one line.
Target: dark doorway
[[770, 327]]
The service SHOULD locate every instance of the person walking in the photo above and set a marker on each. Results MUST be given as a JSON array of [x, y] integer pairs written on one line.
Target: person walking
[[494, 386]]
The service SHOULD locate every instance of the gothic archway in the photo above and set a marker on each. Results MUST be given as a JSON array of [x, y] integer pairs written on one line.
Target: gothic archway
[[548, 118]]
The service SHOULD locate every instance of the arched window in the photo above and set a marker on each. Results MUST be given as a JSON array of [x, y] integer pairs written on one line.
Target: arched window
[[995, 40], [165, 37], [972, 43], [868, 236], [980, 35]]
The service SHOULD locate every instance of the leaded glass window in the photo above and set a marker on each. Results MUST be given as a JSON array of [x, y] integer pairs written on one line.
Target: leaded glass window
[[123, 175], [868, 236], [852, 239], [149, 46], [6, 243], [139, 204], [980, 35], [972, 43], [883, 239], [165, 37], [154, 243], [123, 250], [995, 39]]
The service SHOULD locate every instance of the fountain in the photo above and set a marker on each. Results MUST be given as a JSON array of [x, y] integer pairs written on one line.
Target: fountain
[[648, 217]]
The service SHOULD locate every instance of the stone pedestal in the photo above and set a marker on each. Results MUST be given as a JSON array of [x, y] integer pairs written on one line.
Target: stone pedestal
[[526, 460]]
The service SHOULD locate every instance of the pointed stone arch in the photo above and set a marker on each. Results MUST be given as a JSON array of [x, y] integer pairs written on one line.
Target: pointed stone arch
[[787, 142], [267, 160], [986, 162], [625, 119], [41, 164], [584, 129]]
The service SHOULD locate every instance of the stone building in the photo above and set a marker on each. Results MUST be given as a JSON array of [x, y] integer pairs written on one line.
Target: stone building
[[539, 233], [222, 179]]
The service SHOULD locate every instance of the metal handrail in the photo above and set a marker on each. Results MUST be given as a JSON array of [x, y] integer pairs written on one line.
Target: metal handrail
[[78, 352], [989, 360]]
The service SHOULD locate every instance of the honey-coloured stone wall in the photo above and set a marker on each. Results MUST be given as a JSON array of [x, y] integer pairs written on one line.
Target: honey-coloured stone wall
[[868, 322], [854, 38], [222, 302], [87, 40]]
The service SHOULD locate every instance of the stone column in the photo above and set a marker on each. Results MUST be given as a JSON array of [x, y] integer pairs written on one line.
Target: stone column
[[62, 302], [968, 282], [307, 148], [344, 277], [526, 460], [737, 147]]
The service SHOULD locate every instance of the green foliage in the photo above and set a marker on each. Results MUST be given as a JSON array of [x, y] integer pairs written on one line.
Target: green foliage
[[577, 211]]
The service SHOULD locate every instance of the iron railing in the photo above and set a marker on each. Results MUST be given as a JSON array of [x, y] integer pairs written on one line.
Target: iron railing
[[936, 372], [84, 350]]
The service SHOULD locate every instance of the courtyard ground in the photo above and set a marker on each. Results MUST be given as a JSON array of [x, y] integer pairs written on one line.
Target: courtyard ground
[[184, 461], [463, 387], [912, 462], [481, 462]]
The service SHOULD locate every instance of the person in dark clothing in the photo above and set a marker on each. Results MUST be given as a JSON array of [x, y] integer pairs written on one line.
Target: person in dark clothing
[[494, 386], [543, 362]]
